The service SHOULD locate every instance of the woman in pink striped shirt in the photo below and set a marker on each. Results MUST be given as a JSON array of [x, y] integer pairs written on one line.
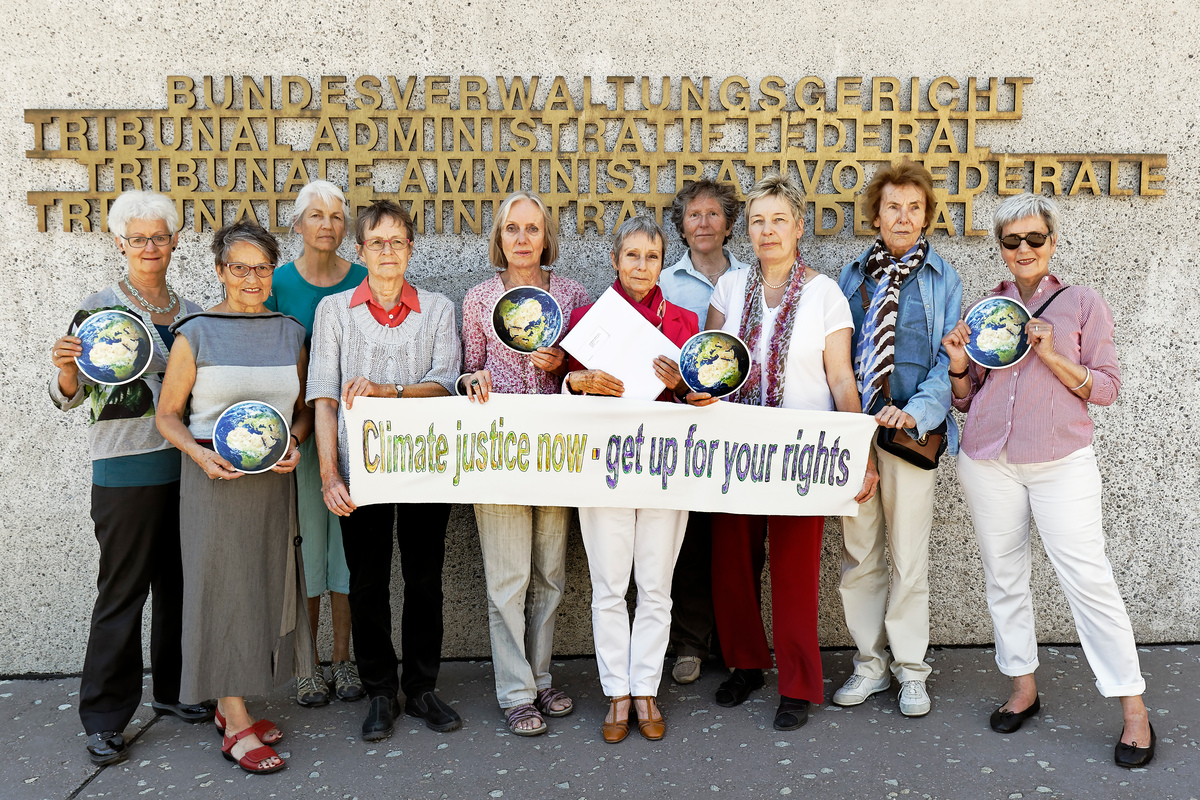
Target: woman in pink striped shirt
[[1027, 446]]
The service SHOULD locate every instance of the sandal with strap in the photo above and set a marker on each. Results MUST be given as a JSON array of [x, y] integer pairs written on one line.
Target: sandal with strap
[[518, 714], [653, 727], [617, 731], [262, 727], [252, 760], [546, 698]]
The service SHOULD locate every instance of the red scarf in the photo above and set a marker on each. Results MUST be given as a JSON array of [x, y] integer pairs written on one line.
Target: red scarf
[[653, 306]]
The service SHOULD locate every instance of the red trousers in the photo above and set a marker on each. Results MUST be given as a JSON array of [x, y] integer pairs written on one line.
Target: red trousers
[[739, 553]]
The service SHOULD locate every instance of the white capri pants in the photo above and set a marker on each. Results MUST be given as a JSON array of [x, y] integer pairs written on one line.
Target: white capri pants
[[1064, 496], [645, 541]]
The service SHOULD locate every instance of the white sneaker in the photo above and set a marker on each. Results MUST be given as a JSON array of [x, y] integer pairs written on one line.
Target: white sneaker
[[914, 700], [858, 688]]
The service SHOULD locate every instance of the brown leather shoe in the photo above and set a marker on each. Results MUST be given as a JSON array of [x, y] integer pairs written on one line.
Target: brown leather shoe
[[653, 728], [617, 731]]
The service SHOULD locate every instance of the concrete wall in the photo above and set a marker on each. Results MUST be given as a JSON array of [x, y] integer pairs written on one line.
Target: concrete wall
[[1105, 80]]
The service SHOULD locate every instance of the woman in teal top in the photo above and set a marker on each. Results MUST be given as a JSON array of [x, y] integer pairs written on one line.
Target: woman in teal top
[[320, 217]]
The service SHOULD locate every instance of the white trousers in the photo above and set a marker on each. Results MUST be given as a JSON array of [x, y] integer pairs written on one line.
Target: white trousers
[[900, 515], [1064, 496], [645, 541]]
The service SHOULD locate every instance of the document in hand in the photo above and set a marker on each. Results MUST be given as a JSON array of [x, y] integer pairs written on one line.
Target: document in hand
[[612, 336]]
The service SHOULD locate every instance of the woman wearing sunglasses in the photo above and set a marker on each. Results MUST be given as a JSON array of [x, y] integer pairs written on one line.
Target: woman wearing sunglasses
[[245, 614], [1027, 446]]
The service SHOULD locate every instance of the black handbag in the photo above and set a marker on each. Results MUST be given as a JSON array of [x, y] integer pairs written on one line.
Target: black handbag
[[924, 451]]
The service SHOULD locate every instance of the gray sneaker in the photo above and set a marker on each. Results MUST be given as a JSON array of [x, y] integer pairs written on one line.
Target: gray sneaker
[[686, 669], [914, 700], [346, 683], [858, 688], [312, 692]]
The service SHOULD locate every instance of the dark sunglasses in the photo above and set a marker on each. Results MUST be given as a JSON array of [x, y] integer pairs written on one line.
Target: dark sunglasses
[[1013, 241]]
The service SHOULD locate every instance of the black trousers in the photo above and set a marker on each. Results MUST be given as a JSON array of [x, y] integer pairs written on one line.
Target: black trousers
[[692, 622], [367, 539], [138, 531]]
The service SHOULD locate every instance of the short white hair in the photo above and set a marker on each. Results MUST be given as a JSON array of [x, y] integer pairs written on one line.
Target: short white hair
[[318, 190], [1021, 206], [146, 205]]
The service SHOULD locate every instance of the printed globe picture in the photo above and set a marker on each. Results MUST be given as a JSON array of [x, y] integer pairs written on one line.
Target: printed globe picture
[[252, 436], [526, 318], [715, 362], [998, 337], [116, 347]]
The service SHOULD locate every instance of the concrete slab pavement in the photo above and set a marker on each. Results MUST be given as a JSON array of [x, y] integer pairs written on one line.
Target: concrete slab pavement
[[870, 751]]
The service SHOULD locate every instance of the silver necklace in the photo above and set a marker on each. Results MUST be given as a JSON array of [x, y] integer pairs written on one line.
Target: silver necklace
[[145, 304]]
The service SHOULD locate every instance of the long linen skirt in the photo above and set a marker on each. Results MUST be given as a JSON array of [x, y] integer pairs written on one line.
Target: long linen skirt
[[245, 614]]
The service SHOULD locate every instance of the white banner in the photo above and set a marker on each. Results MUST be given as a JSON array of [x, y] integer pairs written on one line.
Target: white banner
[[600, 451]]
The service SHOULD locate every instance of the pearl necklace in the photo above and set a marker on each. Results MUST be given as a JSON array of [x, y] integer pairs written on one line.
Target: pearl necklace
[[762, 276], [145, 304]]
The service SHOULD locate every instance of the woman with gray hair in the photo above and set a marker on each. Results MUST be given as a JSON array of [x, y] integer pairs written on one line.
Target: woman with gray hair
[[1027, 448], [644, 540], [135, 488], [524, 547], [245, 620], [320, 216]]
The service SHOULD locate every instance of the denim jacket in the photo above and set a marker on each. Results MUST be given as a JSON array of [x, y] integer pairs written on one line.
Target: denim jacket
[[920, 382]]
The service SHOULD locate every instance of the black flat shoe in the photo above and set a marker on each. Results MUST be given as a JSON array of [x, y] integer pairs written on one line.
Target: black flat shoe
[[791, 714], [738, 686], [1131, 756], [381, 719], [107, 747], [437, 715], [1010, 721], [185, 711]]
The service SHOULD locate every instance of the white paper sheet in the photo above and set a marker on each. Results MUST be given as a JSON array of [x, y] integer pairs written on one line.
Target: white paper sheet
[[614, 337]]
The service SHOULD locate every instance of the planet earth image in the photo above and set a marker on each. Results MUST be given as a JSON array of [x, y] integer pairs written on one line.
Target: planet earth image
[[997, 332], [252, 436], [526, 318], [116, 347], [715, 362]]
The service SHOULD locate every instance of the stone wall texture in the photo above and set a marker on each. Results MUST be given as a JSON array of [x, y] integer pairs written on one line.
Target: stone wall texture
[[1107, 78]]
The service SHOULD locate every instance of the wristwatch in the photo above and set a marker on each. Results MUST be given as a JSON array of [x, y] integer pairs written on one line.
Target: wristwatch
[[399, 389]]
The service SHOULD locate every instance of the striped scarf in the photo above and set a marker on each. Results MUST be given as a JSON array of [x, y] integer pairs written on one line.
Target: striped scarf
[[874, 359], [750, 331]]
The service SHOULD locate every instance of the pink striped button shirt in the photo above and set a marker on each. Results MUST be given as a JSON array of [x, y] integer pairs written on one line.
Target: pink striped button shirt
[[1026, 407]]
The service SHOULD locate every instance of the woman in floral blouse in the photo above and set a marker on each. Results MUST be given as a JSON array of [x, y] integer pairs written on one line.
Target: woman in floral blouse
[[524, 547]]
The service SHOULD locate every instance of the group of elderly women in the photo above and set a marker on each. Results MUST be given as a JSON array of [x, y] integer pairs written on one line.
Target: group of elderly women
[[238, 562]]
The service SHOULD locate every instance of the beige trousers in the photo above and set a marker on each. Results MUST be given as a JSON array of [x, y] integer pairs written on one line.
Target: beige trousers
[[900, 515]]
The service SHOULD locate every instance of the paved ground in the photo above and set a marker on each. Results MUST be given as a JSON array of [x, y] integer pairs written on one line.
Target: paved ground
[[867, 752]]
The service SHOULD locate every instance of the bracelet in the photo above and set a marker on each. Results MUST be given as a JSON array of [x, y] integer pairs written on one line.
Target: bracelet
[[962, 374], [1085, 380], [295, 439]]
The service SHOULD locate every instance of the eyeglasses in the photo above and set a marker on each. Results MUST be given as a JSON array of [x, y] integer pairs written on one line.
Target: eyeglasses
[[1013, 241], [242, 270], [138, 242], [398, 245]]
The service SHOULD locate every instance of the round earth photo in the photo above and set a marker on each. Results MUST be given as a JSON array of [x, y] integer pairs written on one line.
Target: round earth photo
[[715, 362], [252, 436], [998, 337], [526, 318], [116, 347]]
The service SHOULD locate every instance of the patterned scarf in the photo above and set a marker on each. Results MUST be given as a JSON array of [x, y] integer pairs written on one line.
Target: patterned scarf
[[874, 359], [750, 330]]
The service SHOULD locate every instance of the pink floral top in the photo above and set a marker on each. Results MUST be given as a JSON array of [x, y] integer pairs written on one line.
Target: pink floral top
[[512, 372]]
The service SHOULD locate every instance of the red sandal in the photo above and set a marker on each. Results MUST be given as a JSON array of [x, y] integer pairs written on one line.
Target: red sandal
[[253, 759], [262, 727]]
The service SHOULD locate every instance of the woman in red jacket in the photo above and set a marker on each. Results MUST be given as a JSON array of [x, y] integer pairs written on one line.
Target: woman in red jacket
[[645, 540]]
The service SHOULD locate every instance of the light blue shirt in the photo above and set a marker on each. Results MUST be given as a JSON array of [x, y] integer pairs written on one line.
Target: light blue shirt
[[684, 286]]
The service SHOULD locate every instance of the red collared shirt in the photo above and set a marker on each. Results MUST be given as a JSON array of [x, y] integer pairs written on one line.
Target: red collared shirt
[[389, 318], [1026, 408]]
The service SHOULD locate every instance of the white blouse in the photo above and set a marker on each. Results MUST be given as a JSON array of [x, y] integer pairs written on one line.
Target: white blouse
[[822, 310]]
